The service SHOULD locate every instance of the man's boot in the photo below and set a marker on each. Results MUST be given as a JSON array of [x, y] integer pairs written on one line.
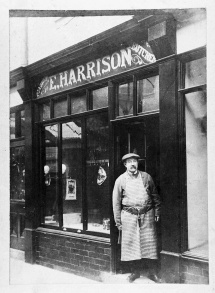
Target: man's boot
[[135, 275], [135, 272]]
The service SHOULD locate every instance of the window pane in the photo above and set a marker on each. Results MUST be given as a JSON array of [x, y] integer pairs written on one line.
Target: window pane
[[148, 94], [12, 125], [195, 73], [72, 174], [196, 152], [100, 98], [125, 97], [60, 108], [45, 111], [51, 175], [78, 104], [17, 173], [23, 123], [97, 167]]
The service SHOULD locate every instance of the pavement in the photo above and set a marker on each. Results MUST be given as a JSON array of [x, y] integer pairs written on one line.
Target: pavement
[[22, 273]]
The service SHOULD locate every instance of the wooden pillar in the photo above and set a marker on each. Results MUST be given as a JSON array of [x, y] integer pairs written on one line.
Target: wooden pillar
[[31, 209], [169, 168], [113, 229]]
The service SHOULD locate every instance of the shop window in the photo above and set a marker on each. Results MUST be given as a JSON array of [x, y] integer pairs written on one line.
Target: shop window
[[12, 126], [45, 111], [50, 175], [75, 189], [17, 123], [195, 73], [60, 108], [193, 93], [72, 174], [17, 173], [125, 99], [196, 156], [148, 94], [100, 98], [78, 104], [97, 172]]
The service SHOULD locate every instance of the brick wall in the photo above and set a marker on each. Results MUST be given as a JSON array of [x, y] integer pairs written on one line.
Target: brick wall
[[194, 271], [83, 257]]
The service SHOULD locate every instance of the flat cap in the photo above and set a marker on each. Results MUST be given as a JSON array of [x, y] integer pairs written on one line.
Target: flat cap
[[130, 155]]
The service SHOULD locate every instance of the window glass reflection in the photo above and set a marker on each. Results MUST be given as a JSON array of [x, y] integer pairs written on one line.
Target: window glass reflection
[[195, 73], [97, 170], [51, 176], [78, 104], [23, 123], [45, 111], [17, 173], [60, 108], [148, 94], [12, 126], [196, 153], [100, 98], [72, 174], [125, 99]]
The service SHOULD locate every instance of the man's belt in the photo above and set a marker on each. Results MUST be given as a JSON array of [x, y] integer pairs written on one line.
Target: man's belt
[[135, 210]]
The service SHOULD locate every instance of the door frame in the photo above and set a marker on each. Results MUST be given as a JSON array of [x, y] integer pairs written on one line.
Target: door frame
[[116, 265]]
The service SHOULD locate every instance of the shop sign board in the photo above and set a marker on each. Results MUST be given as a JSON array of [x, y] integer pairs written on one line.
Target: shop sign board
[[109, 65]]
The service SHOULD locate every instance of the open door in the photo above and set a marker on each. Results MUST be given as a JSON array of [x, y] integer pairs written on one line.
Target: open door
[[141, 137]]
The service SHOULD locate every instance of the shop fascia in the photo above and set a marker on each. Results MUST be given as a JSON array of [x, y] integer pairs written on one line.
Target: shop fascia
[[131, 57]]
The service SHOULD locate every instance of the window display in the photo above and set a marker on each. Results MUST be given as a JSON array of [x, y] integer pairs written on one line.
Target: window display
[[50, 190], [97, 167], [17, 173], [72, 174]]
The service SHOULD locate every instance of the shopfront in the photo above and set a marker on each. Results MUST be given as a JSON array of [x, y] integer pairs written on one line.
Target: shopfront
[[87, 107]]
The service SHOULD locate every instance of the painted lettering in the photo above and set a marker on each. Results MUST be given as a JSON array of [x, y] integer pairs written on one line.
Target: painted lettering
[[105, 63], [63, 78], [135, 55], [98, 65], [80, 73], [126, 55], [90, 70], [52, 83], [72, 78], [118, 60]]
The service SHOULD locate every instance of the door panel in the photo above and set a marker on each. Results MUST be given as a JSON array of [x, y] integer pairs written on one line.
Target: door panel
[[141, 137], [17, 225], [17, 195]]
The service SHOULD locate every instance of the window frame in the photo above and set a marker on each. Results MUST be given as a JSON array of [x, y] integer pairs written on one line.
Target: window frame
[[59, 121], [143, 73], [182, 91], [18, 133]]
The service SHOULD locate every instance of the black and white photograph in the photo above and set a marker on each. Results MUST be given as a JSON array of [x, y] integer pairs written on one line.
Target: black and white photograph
[[109, 147]]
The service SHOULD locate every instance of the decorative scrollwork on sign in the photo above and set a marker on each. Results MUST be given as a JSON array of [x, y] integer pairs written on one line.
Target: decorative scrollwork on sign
[[142, 56], [43, 87], [137, 60]]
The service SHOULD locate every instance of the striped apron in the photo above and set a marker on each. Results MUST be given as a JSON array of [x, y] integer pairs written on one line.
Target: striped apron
[[137, 242]]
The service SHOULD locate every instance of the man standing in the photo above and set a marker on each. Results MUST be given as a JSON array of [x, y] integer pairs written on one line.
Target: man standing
[[136, 208]]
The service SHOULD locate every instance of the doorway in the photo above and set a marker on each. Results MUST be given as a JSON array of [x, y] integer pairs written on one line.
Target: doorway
[[139, 136]]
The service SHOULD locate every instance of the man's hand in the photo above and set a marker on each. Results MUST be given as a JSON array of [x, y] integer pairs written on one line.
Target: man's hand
[[157, 218], [119, 227]]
